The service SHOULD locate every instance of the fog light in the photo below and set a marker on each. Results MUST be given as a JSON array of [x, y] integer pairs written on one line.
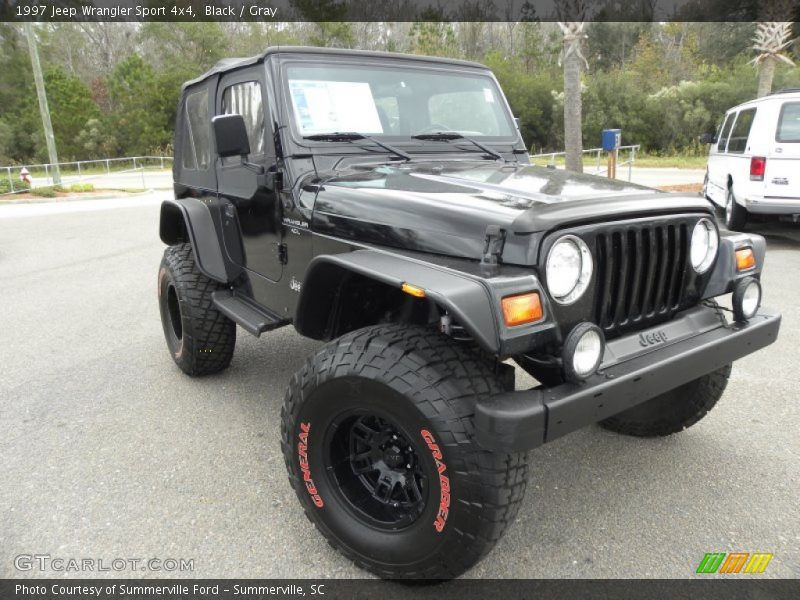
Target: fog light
[[746, 298], [583, 351]]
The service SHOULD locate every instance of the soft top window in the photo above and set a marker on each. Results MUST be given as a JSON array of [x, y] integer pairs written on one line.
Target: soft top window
[[245, 99], [196, 131]]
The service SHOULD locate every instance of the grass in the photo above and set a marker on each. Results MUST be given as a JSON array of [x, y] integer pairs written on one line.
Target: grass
[[53, 190]]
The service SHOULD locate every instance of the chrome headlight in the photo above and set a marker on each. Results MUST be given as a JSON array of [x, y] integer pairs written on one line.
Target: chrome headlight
[[705, 243], [568, 269]]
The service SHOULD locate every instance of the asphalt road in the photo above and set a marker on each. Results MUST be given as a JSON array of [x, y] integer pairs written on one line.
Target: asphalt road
[[108, 451]]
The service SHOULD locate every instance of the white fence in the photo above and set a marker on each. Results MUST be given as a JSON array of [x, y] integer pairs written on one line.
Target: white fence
[[145, 172], [599, 168], [150, 172]]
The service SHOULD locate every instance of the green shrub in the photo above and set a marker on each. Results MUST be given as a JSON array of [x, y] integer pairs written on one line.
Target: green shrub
[[5, 185], [44, 192]]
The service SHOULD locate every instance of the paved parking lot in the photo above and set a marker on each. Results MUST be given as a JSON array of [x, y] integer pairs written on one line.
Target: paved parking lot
[[109, 451]]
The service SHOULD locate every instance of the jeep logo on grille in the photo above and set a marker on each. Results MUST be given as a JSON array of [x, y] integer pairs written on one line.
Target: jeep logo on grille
[[652, 337]]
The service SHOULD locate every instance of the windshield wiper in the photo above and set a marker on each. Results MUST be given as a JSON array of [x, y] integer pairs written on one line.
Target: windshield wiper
[[350, 136], [449, 136]]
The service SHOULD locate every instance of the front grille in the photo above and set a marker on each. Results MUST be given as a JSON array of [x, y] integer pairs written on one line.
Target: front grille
[[640, 274]]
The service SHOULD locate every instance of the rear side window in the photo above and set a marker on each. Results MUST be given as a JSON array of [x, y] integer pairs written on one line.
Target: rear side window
[[789, 123], [196, 134], [722, 139], [245, 99], [741, 131]]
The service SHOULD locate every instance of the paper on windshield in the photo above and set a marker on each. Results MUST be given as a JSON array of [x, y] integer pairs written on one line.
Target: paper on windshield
[[334, 106]]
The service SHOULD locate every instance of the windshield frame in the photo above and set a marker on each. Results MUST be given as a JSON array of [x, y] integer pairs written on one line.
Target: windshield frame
[[409, 144]]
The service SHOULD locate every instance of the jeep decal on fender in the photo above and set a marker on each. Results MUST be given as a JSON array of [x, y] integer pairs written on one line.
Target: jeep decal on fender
[[302, 452], [444, 481]]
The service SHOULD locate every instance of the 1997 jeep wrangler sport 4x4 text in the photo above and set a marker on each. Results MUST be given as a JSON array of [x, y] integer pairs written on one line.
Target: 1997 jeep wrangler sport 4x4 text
[[386, 204]]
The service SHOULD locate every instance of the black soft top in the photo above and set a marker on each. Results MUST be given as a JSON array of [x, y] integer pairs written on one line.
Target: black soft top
[[229, 64]]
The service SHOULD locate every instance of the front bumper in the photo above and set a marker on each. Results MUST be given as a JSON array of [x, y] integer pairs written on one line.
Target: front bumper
[[632, 371]]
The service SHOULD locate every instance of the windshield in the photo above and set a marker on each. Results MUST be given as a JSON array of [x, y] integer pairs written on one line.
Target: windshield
[[396, 102]]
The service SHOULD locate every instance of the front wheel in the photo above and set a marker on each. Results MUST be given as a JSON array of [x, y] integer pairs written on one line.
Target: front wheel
[[379, 444], [672, 411]]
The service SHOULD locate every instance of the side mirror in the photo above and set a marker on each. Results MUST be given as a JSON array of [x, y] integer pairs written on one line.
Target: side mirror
[[708, 138], [230, 135], [518, 123]]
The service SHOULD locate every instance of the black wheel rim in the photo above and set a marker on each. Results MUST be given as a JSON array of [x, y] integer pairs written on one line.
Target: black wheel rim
[[376, 470], [174, 313]]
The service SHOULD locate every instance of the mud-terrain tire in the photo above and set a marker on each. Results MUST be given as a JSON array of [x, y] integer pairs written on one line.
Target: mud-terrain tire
[[672, 411], [200, 338], [395, 404]]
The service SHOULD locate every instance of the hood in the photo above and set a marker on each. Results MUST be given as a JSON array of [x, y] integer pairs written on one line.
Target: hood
[[445, 207]]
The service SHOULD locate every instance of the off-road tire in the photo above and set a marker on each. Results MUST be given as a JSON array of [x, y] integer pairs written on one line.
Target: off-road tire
[[735, 213], [200, 339], [672, 411], [426, 383]]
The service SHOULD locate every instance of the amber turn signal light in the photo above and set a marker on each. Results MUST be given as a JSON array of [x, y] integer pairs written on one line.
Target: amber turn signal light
[[521, 309], [745, 259], [413, 290]]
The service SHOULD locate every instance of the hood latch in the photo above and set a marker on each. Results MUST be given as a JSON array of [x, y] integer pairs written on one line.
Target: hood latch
[[493, 248]]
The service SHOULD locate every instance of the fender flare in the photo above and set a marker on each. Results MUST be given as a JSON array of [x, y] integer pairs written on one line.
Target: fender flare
[[190, 220], [724, 275], [465, 297]]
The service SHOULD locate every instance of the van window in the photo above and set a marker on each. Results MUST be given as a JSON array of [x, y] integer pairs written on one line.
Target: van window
[[245, 99], [789, 123], [722, 139], [741, 130], [196, 133]]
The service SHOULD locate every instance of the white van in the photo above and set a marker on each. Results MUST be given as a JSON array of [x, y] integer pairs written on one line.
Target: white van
[[754, 161]]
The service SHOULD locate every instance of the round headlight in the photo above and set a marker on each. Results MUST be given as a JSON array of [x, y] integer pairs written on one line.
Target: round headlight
[[568, 269], [583, 351], [746, 299], [705, 242]]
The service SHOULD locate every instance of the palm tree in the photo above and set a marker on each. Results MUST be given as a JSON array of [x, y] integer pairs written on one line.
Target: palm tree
[[771, 39], [573, 62]]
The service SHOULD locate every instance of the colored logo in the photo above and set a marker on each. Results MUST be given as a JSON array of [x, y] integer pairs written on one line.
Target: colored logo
[[734, 562]]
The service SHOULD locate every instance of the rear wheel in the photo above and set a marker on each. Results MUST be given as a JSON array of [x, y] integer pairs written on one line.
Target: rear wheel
[[379, 444], [200, 338], [735, 213]]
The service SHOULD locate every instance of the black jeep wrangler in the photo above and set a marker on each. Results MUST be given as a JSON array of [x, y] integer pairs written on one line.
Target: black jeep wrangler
[[385, 204]]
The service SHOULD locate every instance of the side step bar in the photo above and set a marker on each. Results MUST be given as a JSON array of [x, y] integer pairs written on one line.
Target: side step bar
[[253, 319]]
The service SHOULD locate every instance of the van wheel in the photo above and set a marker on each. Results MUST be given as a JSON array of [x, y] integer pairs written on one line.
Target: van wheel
[[735, 213], [378, 437], [200, 338]]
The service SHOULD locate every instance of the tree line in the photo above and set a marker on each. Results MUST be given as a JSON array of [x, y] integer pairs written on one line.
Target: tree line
[[113, 87]]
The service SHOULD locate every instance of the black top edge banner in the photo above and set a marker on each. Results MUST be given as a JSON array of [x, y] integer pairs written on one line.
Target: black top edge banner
[[370, 589], [395, 10]]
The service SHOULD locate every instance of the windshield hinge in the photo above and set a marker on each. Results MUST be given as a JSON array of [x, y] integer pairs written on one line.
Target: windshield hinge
[[283, 254], [493, 247]]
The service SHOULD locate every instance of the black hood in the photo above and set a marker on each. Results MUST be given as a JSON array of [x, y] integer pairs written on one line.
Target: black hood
[[445, 207]]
